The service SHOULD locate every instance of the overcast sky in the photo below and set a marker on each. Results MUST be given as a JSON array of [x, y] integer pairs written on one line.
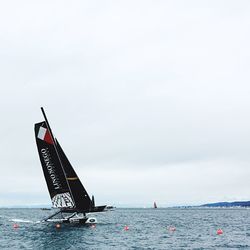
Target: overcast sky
[[149, 99]]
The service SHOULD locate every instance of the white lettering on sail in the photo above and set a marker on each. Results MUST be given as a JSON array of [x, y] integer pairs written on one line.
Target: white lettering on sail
[[62, 200], [50, 167]]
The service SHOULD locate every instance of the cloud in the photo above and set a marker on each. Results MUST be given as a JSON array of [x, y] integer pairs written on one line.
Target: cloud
[[156, 87]]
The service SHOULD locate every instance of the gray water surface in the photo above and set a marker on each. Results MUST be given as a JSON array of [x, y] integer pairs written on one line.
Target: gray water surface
[[148, 229]]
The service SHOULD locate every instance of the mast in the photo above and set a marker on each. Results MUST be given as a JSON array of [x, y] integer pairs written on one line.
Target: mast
[[93, 201], [54, 143]]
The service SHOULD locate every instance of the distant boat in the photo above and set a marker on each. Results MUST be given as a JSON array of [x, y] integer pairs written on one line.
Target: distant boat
[[110, 207], [65, 188], [155, 206]]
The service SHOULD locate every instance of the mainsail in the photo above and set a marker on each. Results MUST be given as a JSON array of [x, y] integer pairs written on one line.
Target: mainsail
[[60, 193]]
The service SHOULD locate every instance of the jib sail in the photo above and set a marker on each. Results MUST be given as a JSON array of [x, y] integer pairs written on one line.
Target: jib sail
[[80, 195]]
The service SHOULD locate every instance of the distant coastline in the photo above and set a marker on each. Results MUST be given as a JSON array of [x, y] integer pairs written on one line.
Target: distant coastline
[[228, 204]]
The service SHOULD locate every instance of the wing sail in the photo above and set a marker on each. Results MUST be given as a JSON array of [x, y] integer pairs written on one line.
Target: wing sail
[[53, 172]]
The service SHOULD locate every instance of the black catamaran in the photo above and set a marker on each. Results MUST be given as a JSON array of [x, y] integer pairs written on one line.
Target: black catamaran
[[66, 190]]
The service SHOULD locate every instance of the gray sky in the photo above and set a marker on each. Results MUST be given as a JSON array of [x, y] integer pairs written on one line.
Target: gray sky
[[149, 99]]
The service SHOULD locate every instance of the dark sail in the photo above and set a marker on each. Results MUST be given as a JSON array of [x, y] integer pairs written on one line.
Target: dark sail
[[54, 175], [155, 206], [65, 188], [80, 195]]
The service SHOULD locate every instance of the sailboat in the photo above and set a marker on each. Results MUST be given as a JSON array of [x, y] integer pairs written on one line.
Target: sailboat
[[65, 188], [155, 206]]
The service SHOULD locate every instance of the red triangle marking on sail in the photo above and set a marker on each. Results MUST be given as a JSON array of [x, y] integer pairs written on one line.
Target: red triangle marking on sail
[[48, 137]]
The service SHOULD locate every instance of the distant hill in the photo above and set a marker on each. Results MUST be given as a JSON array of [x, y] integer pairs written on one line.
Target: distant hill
[[228, 204]]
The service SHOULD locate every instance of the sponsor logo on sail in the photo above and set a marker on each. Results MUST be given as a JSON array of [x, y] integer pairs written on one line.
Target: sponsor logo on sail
[[50, 167], [44, 135]]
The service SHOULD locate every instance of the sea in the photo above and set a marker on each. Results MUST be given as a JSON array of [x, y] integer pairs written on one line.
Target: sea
[[130, 228]]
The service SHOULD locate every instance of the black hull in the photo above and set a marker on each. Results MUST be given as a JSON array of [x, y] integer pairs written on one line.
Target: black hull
[[91, 210], [78, 221], [70, 218]]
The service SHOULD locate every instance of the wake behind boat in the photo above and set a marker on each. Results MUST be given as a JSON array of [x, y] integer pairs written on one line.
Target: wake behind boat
[[65, 188]]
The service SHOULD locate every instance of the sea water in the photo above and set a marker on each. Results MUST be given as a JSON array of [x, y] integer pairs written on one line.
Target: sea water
[[146, 229]]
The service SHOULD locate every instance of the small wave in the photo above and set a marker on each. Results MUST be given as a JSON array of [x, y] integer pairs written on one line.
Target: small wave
[[21, 221]]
